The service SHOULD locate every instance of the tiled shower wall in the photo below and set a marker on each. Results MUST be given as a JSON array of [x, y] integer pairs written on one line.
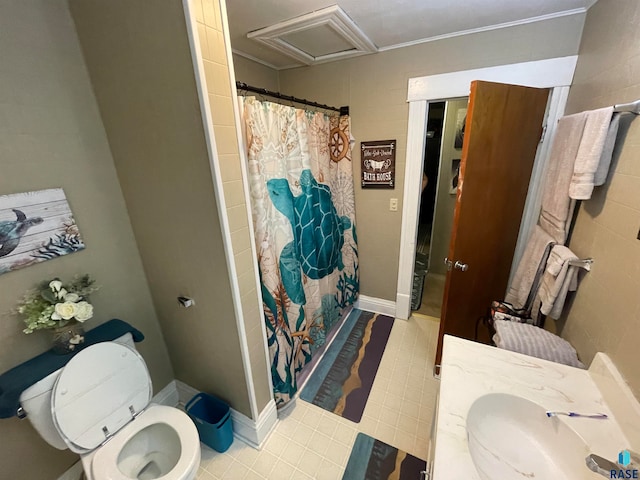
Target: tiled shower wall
[[605, 315], [221, 96]]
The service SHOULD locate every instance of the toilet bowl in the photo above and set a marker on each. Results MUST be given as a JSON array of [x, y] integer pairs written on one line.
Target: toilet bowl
[[156, 445], [99, 408]]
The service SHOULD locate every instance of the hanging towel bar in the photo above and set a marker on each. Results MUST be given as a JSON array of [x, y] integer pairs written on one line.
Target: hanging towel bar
[[582, 263], [633, 107]]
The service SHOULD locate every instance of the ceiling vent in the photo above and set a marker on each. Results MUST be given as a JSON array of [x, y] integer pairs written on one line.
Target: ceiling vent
[[317, 37]]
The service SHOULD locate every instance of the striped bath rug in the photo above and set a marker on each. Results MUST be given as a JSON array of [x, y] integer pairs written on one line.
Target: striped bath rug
[[342, 381], [372, 459]]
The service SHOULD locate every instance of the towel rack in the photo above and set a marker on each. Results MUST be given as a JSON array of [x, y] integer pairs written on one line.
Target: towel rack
[[633, 107], [582, 263]]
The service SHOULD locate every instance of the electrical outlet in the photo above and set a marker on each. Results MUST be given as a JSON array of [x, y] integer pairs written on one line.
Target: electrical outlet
[[393, 204]]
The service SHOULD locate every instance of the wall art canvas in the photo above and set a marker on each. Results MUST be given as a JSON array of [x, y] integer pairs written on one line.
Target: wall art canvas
[[461, 120], [34, 227]]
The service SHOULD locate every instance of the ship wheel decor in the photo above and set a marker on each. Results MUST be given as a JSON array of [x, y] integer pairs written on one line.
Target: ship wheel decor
[[339, 145]]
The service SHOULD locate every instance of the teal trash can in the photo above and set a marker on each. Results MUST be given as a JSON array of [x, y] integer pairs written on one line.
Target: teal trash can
[[212, 417]]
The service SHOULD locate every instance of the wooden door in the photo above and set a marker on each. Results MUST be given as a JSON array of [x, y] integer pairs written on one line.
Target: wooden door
[[502, 133]]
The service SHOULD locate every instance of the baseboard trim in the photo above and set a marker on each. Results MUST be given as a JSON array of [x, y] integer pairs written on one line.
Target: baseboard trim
[[378, 305], [253, 433], [185, 392], [403, 306], [74, 473], [168, 396]]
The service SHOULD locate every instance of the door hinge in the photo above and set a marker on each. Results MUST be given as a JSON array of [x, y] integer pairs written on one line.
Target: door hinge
[[544, 133]]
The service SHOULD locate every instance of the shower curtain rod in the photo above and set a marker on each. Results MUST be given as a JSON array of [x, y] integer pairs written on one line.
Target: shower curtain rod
[[270, 93]]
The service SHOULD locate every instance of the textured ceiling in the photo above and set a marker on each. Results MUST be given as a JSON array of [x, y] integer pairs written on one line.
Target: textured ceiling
[[388, 23]]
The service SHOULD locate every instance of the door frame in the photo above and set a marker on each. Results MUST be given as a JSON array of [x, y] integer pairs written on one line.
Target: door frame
[[554, 73]]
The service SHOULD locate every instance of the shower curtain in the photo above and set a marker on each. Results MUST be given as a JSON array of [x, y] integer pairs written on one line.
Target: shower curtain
[[301, 182]]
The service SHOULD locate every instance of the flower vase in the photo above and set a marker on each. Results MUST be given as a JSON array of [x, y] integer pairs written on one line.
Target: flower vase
[[68, 339]]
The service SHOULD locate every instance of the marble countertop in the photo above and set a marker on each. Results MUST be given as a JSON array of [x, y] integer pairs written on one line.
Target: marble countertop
[[470, 370]]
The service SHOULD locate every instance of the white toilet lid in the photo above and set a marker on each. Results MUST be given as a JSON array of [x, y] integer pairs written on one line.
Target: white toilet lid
[[96, 393]]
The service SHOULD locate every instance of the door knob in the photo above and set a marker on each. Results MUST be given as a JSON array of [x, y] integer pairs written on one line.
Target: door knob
[[461, 266], [448, 263]]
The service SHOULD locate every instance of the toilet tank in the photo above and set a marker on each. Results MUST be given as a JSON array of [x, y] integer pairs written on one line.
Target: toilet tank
[[36, 402]]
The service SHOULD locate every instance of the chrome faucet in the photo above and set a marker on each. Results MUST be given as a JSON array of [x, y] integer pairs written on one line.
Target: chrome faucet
[[601, 465], [605, 467]]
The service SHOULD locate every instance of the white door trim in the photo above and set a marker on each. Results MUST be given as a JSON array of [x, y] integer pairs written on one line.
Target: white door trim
[[550, 73], [555, 109], [411, 204]]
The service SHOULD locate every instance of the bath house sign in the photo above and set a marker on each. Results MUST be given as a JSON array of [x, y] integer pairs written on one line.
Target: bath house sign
[[378, 164]]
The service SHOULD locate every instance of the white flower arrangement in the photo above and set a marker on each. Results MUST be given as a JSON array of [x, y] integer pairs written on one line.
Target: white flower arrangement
[[54, 304]]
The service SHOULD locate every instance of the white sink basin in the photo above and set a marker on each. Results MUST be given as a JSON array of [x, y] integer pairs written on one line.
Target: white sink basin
[[512, 438]]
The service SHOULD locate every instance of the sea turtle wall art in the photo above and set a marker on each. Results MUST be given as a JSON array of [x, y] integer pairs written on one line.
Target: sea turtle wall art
[[34, 227]]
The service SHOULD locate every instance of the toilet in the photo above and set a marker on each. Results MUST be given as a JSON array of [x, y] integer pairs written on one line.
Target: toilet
[[97, 405]]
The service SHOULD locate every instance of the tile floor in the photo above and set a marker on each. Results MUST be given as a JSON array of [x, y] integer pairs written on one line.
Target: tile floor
[[312, 443], [432, 292]]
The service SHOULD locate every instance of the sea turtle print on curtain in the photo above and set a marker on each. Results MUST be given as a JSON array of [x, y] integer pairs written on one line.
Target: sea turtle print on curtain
[[301, 181]]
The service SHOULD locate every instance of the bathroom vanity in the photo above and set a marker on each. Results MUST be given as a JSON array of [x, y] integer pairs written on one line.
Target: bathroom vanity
[[491, 422]]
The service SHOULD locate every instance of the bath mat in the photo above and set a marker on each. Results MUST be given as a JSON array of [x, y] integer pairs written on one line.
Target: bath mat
[[372, 459], [342, 381]]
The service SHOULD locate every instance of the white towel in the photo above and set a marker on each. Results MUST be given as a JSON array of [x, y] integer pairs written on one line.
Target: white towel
[[525, 276], [559, 278], [589, 154], [556, 204], [535, 342], [607, 151]]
